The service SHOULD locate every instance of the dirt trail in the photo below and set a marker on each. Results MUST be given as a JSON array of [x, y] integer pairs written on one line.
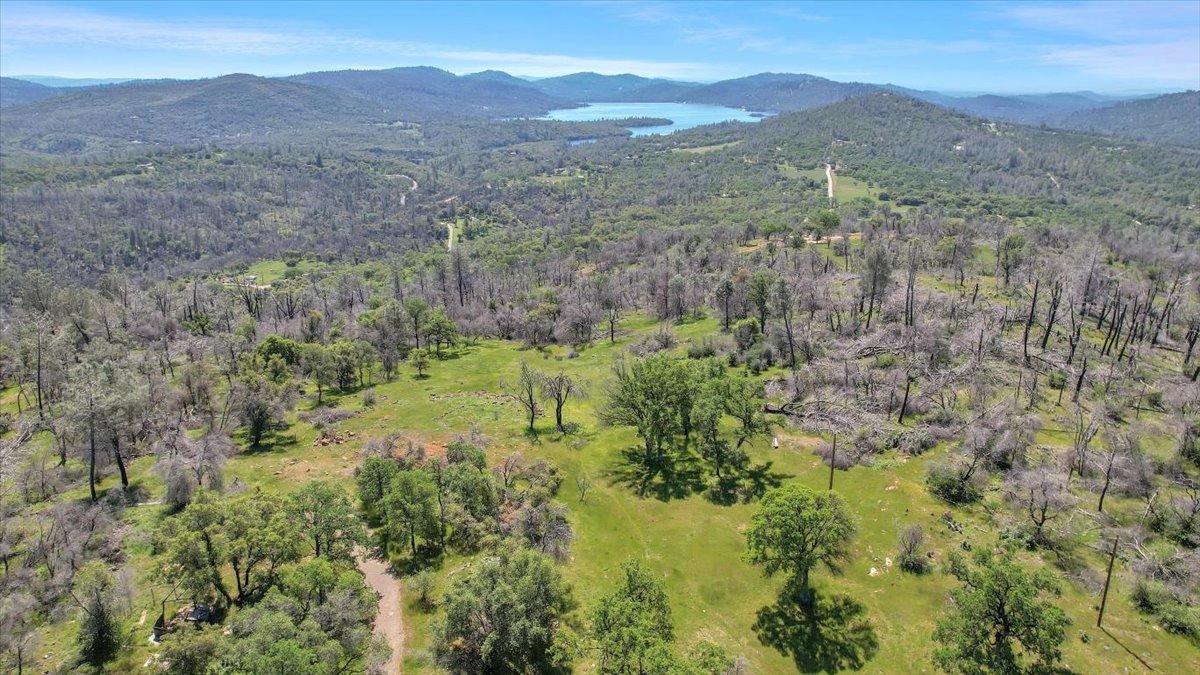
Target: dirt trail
[[389, 623], [830, 177], [404, 196]]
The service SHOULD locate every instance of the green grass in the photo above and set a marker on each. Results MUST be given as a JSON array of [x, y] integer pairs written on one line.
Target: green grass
[[696, 546], [705, 149], [270, 271]]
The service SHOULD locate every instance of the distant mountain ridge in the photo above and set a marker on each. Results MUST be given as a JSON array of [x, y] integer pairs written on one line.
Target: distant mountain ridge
[[20, 92], [591, 87], [77, 119], [424, 91], [1023, 108], [777, 92], [181, 112], [1173, 118], [70, 82]]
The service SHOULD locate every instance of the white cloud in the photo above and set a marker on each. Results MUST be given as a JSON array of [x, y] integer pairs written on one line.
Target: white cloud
[[1168, 63], [59, 26], [43, 25], [695, 26], [1115, 21], [1147, 42]]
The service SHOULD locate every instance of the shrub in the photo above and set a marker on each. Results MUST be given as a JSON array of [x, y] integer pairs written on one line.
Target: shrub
[[703, 349], [913, 441], [660, 340], [759, 358], [1158, 600], [424, 585], [942, 417], [947, 484], [1189, 444], [1057, 380], [1150, 596], [1181, 620], [911, 556], [746, 333], [1155, 400]]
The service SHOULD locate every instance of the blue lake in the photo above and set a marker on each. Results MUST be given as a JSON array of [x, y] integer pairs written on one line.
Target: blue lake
[[682, 115]]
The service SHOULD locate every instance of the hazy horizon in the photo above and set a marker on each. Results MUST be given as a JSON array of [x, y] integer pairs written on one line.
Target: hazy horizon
[[1118, 47], [72, 82]]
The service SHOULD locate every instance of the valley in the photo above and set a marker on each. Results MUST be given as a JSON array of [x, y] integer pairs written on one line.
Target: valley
[[515, 369]]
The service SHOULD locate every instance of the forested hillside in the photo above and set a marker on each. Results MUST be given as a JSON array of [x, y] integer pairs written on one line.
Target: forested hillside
[[919, 150], [225, 110], [596, 87], [20, 92], [777, 92], [1173, 118], [310, 375], [422, 93]]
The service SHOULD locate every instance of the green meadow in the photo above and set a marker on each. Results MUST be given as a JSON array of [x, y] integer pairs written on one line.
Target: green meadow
[[697, 546]]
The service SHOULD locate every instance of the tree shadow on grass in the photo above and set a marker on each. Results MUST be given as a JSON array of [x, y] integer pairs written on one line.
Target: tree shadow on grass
[[400, 557], [666, 480], [427, 557], [533, 435], [273, 440], [757, 479], [745, 484], [830, 634]]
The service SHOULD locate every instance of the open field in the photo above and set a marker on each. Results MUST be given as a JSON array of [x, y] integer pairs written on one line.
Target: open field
[[696, 546]]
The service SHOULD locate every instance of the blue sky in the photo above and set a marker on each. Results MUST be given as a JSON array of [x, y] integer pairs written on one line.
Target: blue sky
[[970, 46]]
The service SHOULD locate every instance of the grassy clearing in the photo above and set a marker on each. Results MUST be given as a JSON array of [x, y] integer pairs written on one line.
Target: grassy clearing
[[845, 188], [562, 177], [705, 149], [695, 545], [270, 271]]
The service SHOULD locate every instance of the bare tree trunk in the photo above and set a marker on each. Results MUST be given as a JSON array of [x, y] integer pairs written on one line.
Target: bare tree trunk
[[120, 462], [1055, 298], [1029, 319], [92, 459], [904, 405], [1112, 456], [1079, 382]]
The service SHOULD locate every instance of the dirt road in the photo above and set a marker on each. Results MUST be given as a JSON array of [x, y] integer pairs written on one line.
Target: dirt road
[[830, 177], [389, 623], [404, 197]]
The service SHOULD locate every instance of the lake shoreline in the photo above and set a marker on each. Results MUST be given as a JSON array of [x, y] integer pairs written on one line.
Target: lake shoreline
[[640, 118]]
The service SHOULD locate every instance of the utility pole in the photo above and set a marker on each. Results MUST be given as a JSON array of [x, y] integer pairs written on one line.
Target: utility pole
[[1112, 557]]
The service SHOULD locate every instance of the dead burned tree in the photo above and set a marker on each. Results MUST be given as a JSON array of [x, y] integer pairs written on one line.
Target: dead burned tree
[[1043, 495], [525, 391], [1085, 429], [557, 389]]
